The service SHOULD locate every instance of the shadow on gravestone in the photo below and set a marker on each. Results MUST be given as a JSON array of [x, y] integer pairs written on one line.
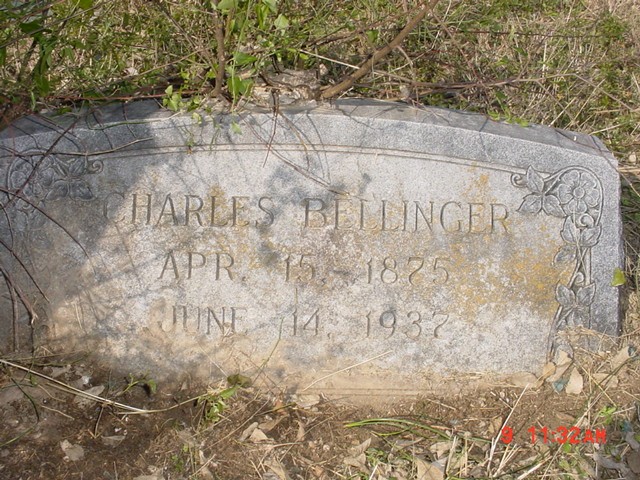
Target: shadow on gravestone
[[360, 247]]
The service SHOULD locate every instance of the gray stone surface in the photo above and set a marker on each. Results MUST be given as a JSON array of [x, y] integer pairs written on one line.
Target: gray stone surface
[[383, 242]]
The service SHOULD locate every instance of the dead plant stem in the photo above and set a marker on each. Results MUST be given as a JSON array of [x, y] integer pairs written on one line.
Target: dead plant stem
[[368, 65]]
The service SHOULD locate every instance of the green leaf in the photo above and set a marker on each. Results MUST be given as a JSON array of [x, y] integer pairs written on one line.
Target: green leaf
[[242, 59], [372, 36], [31, 27], [227, 5], [235, 85], [42, 84], [174, 102], [68, 53], [262, 11], [564, 464], [618, 278], [85, 4], [228, 393], [153, 386], [282, 22], [235, 128], [3, 55], [272, 4], [240, 380], [238, 87]]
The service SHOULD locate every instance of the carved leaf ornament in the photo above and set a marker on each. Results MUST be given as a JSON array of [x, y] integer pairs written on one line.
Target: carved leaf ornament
[[574, 194]]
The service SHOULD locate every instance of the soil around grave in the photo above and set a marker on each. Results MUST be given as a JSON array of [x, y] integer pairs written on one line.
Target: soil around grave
[[51, 434]]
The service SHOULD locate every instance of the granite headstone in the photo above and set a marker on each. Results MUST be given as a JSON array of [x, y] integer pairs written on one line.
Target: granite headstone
[[354, 246]]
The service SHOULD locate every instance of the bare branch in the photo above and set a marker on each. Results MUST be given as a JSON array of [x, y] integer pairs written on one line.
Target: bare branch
[[220, 34], [368, 65]]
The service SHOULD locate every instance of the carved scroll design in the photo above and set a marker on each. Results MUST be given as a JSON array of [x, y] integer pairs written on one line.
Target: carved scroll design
[[574, 194]]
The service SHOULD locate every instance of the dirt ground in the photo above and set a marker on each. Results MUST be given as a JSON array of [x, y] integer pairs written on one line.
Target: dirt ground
[[50, 430]]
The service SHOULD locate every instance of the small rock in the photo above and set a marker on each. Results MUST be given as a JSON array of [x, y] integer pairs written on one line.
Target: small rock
[[307, 400], [10, 394], [633, 460], [72, 452], [113, 441], [57, 371], [629, 437]]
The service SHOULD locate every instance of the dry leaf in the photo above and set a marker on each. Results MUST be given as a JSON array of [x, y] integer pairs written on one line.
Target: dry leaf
[[523, 380], [276, 467], [306, 400], [565, 418], [318, 471], [187, 438], [358, 449], [575, 383], [622, 356], [301, 432], [113, 441], [270, 424], [494, 426], [258, 436], [204, 471], [428, 470], [562, 363], [85, 402], [248, 431], [548, 370], [358, 461], [57, 371]]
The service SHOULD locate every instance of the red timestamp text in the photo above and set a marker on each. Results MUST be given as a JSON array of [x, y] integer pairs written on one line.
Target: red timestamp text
[[560, 435]]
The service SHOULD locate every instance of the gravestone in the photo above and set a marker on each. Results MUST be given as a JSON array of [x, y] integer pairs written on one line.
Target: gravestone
[[353, 247]]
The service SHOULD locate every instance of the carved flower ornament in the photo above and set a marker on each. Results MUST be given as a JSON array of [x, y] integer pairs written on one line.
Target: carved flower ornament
[[578, 192], [574, 194], [38, 180], [51, 178]]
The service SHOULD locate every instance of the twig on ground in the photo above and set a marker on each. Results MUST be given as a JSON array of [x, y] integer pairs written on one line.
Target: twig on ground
[[345, 369]]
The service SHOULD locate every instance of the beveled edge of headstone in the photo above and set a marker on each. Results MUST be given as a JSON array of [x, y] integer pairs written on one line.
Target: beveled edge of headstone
[[149, 112]]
